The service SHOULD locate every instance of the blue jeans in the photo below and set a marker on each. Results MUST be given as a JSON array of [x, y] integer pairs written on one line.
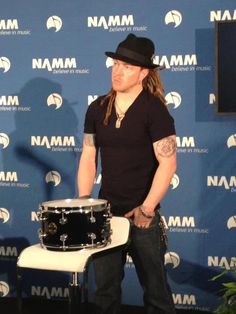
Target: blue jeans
[[147, 251]]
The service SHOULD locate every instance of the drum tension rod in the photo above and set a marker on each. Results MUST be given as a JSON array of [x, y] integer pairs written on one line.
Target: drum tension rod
[[63, 220], [92, 218]]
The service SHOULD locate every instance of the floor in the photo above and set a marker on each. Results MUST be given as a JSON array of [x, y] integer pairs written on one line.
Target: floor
[[41, 306]]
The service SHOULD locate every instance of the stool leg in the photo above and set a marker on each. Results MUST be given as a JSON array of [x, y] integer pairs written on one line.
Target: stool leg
[[74, 295], [19, 289]]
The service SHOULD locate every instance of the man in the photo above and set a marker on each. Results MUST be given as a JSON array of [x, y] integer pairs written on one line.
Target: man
[[135, 134]]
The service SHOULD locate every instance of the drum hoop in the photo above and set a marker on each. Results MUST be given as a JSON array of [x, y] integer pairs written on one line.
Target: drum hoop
[[77, 247], [71, 210], [47, 207]]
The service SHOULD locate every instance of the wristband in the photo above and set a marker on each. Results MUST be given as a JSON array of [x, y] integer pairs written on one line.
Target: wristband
[[143, 212]]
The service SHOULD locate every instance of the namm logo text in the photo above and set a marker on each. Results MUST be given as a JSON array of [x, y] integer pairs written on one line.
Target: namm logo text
[[115, 23], [222, 182], [11, 27], [222, 15], [55, 143]]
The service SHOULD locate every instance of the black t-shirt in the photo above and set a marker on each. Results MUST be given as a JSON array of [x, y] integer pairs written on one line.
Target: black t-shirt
[[128, 162]]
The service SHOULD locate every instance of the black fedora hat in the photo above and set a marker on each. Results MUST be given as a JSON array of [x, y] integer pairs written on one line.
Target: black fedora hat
[[136, 51]]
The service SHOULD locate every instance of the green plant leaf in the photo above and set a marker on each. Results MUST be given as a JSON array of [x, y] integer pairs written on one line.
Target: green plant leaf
[[219, 275], [230, 285]]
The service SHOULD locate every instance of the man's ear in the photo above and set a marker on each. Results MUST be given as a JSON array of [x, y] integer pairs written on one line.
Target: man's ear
[[144, 72]]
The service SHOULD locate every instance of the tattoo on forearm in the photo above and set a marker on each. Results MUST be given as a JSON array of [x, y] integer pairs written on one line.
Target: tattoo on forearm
[[89, 139], [166, 147]]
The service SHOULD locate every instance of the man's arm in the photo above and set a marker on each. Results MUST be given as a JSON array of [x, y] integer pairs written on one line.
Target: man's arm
[[87, 166], [165, 152]]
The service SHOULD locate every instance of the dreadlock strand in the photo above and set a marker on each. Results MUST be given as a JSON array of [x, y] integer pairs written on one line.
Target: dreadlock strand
[[111, 96], [153, 84]]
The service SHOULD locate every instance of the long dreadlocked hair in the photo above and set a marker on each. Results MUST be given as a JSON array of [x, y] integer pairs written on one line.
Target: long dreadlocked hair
[[152, 83]]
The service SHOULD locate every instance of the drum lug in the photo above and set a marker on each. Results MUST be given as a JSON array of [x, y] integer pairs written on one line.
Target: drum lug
[[107, 231], [41, 235], [63, 220], [40, 216], [108, 214], [92, 236], [92, 218], [63, 239]]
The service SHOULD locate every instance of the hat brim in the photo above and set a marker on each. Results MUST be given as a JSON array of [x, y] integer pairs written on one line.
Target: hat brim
[[121, 57]]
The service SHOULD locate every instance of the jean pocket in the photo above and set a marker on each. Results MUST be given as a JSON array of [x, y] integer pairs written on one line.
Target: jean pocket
[[153, 225]]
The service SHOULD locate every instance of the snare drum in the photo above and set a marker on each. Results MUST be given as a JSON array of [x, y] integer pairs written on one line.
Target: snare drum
[[73, 224]]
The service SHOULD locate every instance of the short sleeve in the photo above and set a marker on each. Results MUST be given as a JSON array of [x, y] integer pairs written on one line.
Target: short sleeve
[[160, 122], [91, 117]]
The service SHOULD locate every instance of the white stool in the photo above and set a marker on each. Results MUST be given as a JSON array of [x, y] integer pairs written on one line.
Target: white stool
[[75, 262]]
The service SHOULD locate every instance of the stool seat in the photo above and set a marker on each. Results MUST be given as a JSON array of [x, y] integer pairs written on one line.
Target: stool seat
[[37, 257]]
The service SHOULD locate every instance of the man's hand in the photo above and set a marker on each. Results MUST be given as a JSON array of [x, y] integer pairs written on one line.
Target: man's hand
[[136, 216]]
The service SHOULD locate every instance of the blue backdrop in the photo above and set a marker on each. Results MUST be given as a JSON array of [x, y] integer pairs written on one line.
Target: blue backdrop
[[52, 65]]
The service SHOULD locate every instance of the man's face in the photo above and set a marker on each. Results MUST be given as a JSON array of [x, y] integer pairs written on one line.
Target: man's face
[[126, 77]]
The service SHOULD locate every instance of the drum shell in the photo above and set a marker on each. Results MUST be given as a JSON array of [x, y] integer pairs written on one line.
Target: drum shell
[[72, 228]]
